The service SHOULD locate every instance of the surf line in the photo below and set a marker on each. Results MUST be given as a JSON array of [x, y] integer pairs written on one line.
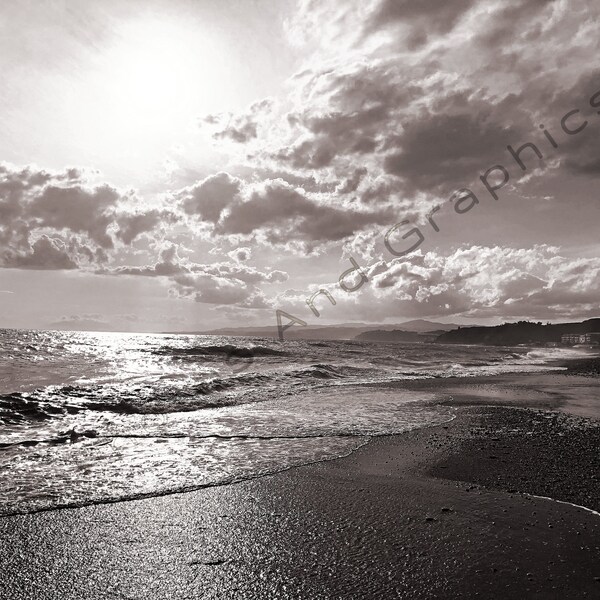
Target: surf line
[[563, 502], [464, 200]]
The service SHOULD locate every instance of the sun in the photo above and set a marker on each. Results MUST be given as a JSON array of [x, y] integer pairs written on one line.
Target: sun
[[154, 68], [159, 72]]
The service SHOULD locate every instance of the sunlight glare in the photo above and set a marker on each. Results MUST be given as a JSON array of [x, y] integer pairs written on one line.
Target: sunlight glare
[[160, 72]]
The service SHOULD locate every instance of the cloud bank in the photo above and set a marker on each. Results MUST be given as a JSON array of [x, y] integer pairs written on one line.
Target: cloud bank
[[398, 105]]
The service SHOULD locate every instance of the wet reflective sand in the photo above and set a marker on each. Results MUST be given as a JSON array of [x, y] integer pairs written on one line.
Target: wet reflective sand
[[372, 525]]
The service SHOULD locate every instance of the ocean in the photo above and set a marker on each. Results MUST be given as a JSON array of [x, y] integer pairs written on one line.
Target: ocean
[[100, 417]]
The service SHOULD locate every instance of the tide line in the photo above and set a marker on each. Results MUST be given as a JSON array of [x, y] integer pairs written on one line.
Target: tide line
[[563, 502]]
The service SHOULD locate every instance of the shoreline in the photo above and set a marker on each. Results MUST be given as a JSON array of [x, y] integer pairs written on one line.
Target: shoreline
[[508, 389], [422, 514], [521, 450], [456, 391]]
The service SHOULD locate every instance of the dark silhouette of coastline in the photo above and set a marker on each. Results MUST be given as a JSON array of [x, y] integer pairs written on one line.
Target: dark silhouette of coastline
[[513, 334]]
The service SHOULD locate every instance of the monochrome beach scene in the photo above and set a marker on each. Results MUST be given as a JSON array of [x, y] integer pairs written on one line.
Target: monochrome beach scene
[[299, 299]]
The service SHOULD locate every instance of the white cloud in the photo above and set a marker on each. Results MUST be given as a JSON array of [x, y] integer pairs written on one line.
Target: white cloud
[[472, 281], [216, 283]]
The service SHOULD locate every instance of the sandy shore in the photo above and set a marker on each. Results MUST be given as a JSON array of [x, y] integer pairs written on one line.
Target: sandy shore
[[440, 513]]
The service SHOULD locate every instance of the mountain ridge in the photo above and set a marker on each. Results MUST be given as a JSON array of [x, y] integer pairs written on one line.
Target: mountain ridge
[[344, 331]]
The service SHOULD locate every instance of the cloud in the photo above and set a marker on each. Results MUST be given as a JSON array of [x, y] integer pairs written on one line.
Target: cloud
[[216, 283], [213, 289], [579, 154], [58, 220], [274, 210], [396, 105], [75, 208], [133, 224], [471, 281], [208, 198], [285, 213], [351, 183], [168, 264], [421, 18], [224, 284], [240, 128], [430, 93], [45, 254], [241, 254], [450, 148]]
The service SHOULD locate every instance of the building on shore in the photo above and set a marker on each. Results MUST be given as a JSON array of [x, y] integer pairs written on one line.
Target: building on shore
[[572, 339]]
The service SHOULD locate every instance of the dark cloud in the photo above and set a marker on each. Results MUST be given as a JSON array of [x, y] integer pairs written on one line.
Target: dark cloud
[[132, 225], [446, 150], [240, 128], [209, 197], [577, 153], [36, 203], [357, 107], [241, 254], [76, 209], [168, 264], [209, 289], [60, 214], [240, 131], [424, 17], [224, 283], [351, 183], [316, 153], [45, 254], [285, 213]]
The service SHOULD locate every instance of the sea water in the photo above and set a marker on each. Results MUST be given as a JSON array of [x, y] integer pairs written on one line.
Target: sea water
[[97, 417]]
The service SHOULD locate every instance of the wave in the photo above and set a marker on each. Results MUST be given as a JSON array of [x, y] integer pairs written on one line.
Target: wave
[[183, 389], [553, 354], [226, 350], [16, 408], [103, 495], [163, 398], [64, 437], [73, 436], [318, 372]]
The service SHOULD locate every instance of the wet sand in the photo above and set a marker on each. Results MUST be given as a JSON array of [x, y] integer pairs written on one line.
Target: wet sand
[[440, 513]]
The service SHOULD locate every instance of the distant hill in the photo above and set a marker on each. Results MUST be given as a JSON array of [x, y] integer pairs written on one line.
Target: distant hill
[[344, 331], [513, 334], [319, 332], [397, 335], [82, 325], [426, 326]]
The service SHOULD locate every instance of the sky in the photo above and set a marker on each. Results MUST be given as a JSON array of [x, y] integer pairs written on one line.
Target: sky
[[188, 165]]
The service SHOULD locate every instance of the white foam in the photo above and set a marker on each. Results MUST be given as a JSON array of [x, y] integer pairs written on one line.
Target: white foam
[[563, 502]]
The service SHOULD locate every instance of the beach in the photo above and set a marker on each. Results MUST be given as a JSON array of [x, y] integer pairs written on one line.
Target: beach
[[447, 511], [299, 300]]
